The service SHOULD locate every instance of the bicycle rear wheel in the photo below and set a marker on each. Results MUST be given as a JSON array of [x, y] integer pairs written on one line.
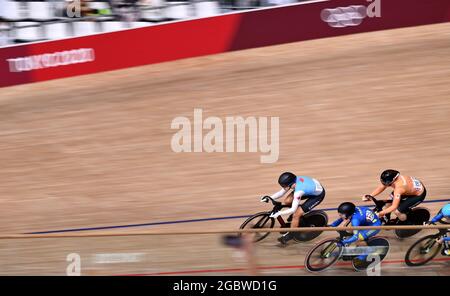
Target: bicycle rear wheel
[[422, 251], [257, 221], [311, 219], [417, 216], [380, 248], [323, 255]]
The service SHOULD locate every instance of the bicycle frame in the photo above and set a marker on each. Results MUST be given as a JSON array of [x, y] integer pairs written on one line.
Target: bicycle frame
[[329, 249], [276, 207], [379, 204], [281, 221]]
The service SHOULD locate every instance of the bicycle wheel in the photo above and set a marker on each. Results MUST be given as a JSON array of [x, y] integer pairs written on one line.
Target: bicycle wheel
[[379, 248], [260, 220], [422, 251], [311, 219], [417, 216], [323, 255]]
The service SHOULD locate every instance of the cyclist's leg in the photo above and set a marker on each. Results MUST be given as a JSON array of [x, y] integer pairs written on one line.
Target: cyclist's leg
[[294, 223], [403, 207], [310, 203], [288, 201], [407, 203], [297, 215], [287, 236]]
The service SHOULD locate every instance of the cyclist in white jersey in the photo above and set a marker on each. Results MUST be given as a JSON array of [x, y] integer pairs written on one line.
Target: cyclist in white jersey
[[294, 189]]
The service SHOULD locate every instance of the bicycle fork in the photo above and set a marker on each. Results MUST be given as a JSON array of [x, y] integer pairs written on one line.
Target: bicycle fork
[[328, 250], [427, 247]]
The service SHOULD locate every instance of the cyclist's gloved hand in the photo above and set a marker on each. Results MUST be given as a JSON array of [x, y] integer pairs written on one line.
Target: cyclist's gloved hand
[[429, 223], [275, 215], [277, 206], [366, 197], [265, 199]]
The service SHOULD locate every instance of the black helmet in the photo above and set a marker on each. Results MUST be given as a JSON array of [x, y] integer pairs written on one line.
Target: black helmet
[[347, 209], [388, 177], [287, 179]]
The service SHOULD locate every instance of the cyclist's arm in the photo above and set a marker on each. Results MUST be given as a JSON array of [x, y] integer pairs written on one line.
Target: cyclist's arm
[[351, 239], [395, 202], [438, 217], [337, 222], [298, 194], [446, 238], [278, 194], [354, 238], [378, 190], [295, 203]]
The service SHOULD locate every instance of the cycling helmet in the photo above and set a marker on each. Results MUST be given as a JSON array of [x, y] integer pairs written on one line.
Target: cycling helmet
[[347, 209], [286, 179], [389, 176], [446, 210]]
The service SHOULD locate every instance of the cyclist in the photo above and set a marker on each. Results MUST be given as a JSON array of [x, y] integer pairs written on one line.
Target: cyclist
[[408, 193], [358, 216], [443, 213], [294, 189]]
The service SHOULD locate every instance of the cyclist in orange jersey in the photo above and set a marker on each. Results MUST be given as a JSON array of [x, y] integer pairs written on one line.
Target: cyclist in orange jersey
[[408, 193]]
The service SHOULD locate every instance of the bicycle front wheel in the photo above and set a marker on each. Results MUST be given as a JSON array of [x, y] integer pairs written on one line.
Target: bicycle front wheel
[[422, 251], [258, 221], [323, 255]]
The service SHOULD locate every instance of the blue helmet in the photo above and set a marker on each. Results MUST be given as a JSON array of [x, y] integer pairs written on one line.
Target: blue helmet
[[446, 210]]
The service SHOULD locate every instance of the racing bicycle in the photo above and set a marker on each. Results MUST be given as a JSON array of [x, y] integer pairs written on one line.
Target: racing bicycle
[[415, 216], [315, 218], [328, 252], [426, 248]]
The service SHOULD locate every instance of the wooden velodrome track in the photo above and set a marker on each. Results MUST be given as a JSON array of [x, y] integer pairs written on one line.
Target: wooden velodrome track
[[95, 150]]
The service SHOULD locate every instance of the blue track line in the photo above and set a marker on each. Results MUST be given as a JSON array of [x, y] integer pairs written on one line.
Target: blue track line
[[178, 221]]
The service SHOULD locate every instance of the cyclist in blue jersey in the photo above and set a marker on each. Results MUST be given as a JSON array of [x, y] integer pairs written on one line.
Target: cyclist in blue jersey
[[358, 216], [443, 213], [294, 189]]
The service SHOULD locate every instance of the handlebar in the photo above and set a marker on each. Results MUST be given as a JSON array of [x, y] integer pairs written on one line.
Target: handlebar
[[276, 204], [379, 204]]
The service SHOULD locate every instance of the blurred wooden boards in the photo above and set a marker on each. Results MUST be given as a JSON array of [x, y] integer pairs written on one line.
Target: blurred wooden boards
[[95, 150]]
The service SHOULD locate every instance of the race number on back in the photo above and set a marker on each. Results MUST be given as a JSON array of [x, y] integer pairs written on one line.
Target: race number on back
[[318, 186], [370, 217], [416, 184]]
